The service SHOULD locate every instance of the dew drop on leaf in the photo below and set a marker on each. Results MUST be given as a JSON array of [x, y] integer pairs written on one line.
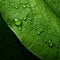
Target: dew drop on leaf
[[20, 28], [39, 31], [3, 2], [18, 22], [30, 19], [16, 7], [50, 41], [28, 6], [24, 6], [45, 41], [51, 45], [25, 18], [33, 44]]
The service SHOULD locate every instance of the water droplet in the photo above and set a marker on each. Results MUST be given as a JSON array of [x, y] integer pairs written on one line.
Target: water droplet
[[28, 6], [45, 41], [35, 28], [30, 19], [51, 45], [24, 6], [18, 22], [50, 41], [20, 28], [37, 39], [25, 18], [16, 7], [33, 44], [38, 33], [3, 2]]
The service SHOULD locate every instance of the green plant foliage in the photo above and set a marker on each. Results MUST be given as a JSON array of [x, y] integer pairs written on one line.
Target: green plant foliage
[[36, 23]]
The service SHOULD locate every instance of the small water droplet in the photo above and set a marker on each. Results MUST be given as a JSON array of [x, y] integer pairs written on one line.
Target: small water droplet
[[18, 22], [38, 33], [50, 41], [45, 41], [30, 19], [37, 39], [51, 45], [16, 7], [24, 6], [25, 18], [20, 28], [3, 2], [33, 44], [28, 6]]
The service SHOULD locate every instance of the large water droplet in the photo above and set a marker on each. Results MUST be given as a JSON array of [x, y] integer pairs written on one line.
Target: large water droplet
[[18, 22]]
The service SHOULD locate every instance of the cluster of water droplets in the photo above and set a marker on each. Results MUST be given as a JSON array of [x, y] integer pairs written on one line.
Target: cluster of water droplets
[[49, 42], [39, 31], [26, 4]]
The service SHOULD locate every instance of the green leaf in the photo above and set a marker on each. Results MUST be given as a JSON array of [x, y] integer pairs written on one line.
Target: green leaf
[[36, 23]]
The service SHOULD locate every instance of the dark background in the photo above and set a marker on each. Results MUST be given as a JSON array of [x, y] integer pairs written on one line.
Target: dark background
[[10, 47]]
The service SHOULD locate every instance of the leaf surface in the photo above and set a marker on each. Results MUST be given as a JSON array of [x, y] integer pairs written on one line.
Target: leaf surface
[[37, 25]]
